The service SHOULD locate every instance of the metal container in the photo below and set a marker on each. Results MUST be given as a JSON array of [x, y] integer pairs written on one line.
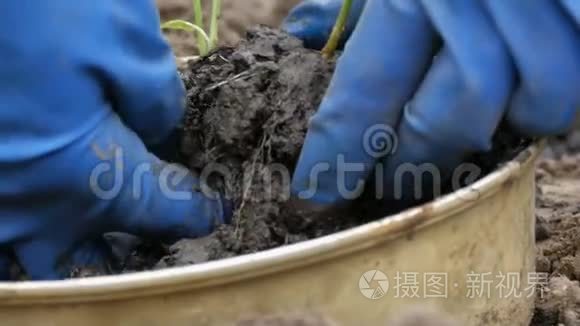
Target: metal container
[[469, 254]]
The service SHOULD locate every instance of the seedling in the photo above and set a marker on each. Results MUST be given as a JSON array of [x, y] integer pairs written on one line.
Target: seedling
[[206, 42], [339, 27]]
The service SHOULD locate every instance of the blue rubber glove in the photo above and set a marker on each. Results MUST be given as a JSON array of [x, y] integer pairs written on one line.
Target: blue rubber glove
[[312, 21], [87, 87], [402, 109]]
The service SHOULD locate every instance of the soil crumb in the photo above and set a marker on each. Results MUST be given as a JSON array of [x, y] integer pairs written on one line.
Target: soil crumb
[[558, 236]]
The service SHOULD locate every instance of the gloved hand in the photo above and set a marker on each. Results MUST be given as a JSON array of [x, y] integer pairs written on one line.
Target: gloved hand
[[87, 88], [398, 103]]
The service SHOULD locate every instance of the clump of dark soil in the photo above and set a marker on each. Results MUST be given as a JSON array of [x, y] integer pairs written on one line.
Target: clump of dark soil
[[247, 120]]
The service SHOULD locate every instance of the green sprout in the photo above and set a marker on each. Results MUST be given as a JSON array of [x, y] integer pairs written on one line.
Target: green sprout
[[339, 27], [205, 42]]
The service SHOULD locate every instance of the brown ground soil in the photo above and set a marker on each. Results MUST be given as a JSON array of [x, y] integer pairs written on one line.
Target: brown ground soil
[[558, 235]]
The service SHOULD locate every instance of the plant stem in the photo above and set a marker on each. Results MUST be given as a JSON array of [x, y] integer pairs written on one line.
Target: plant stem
[[179, 24], [214, 26], [339, 27], [198, 19]]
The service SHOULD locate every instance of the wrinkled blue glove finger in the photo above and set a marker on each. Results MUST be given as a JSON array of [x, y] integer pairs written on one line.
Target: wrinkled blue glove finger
[[545, 43], [55, 259], [378, 73], [459, 104], [313, 20], [143, 195], [463, 98]]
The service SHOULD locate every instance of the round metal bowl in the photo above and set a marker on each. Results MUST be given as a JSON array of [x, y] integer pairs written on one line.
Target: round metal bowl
[[469, 254]]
